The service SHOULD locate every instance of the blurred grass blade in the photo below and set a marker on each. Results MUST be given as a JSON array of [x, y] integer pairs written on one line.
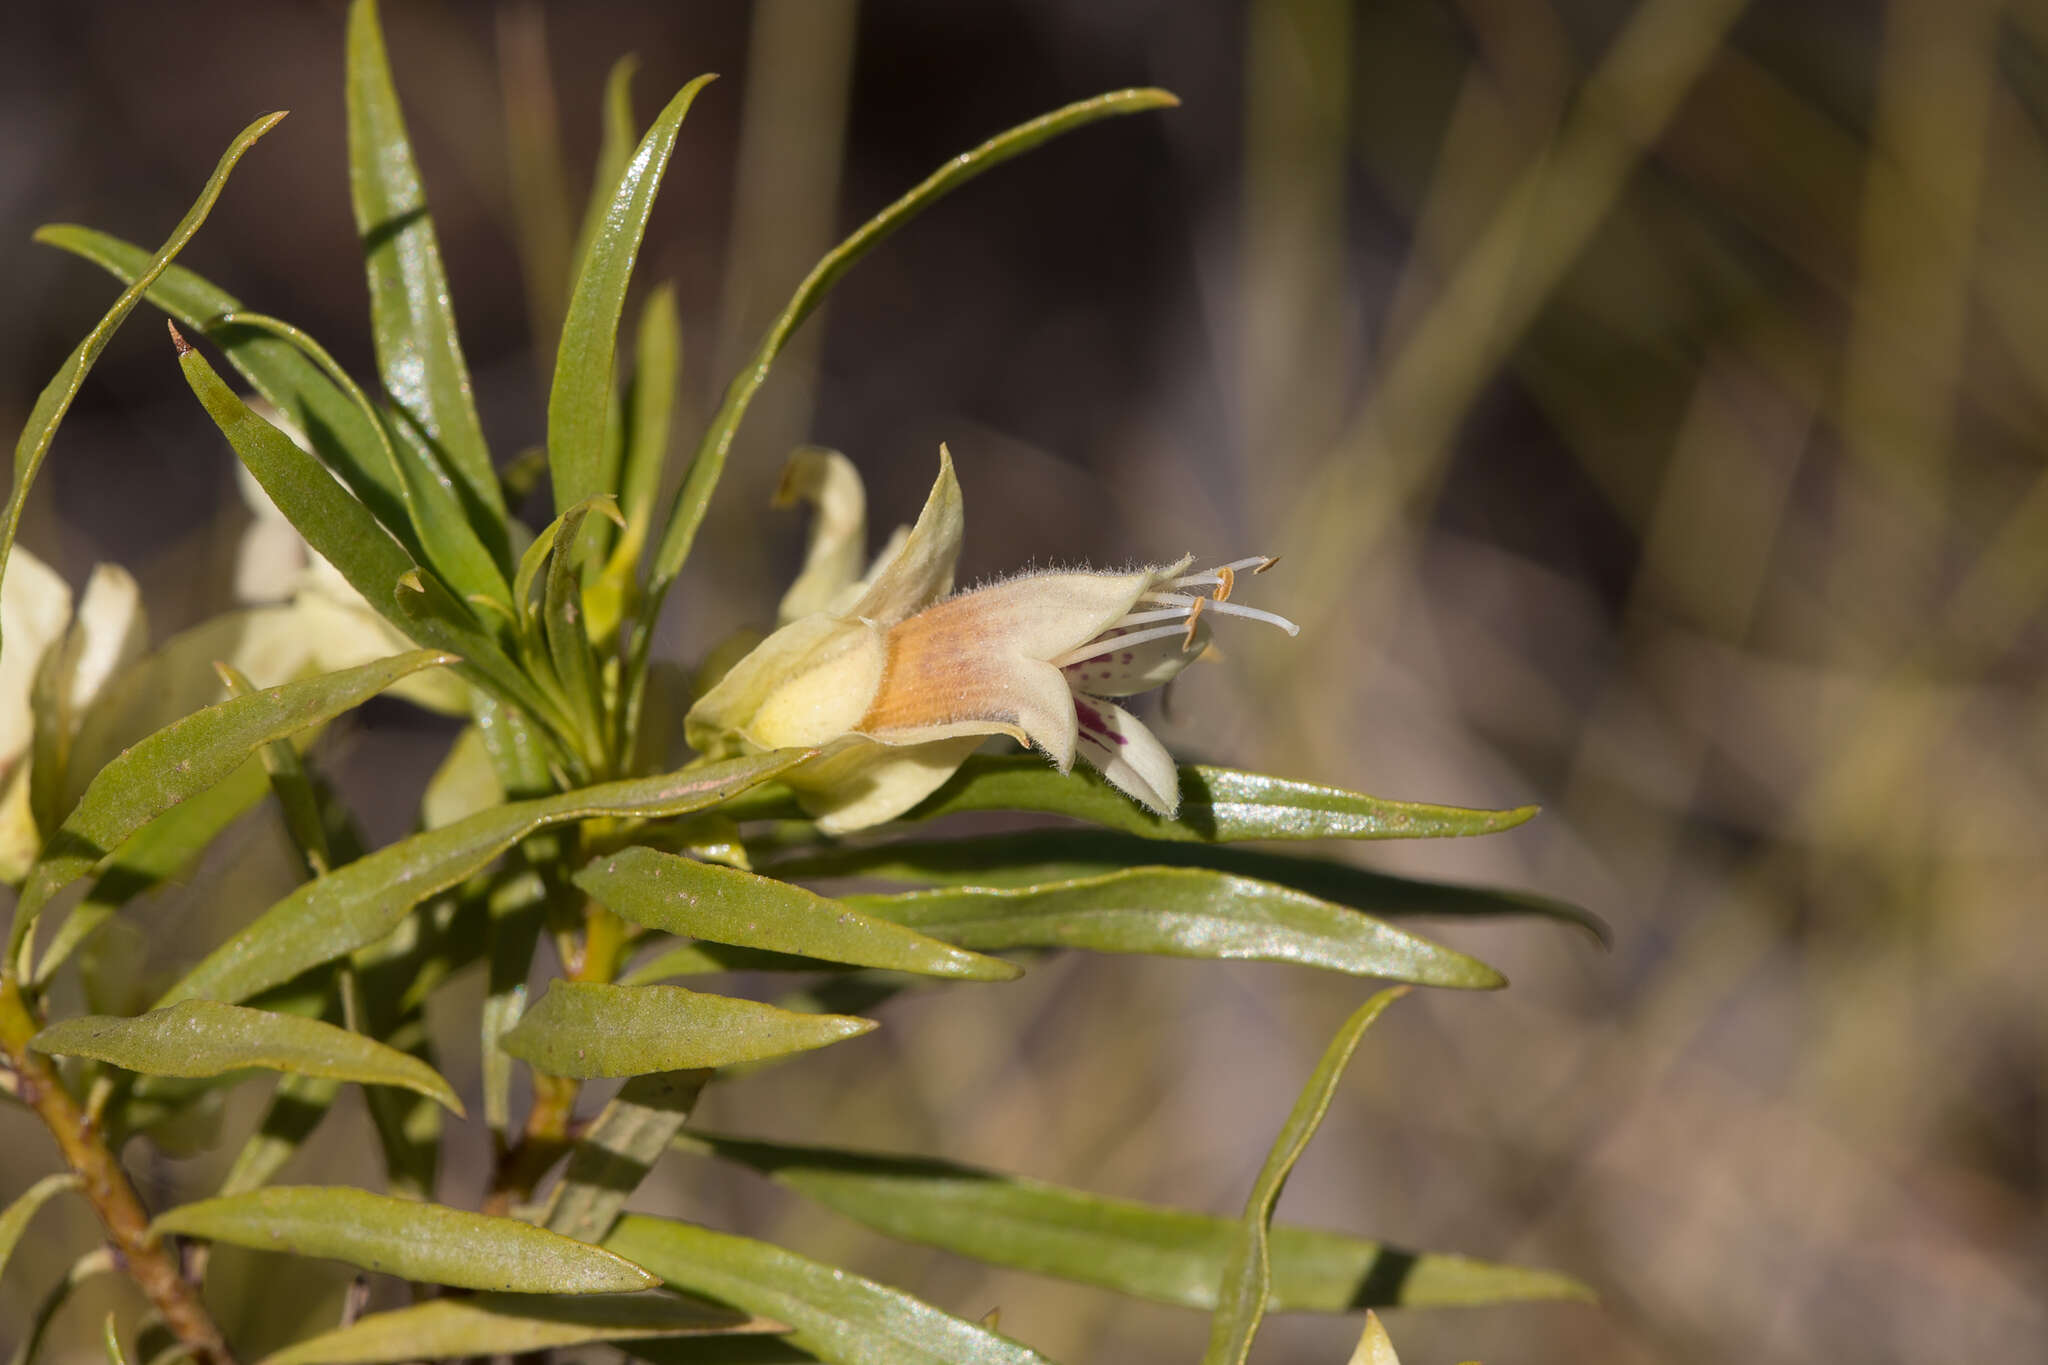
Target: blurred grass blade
[[725, 905], [508, 1325], [274, 367], [615, 1153], [14, 1219], [833, 1313], [1182, 912], [580, 400], [150, 857], [419, 354], [358, 904], [55, 399], [185, 758], [1148, 1252], [304, 821], [1247, 1270], [432, 508], [110, 1342], [1046, 855], [98, 1261], [693, 499], [296, 1108], [206, 1038], [1217, 805], [403, 1237], [587, 1029]]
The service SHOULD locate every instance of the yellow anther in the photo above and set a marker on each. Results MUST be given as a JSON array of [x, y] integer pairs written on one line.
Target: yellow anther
[[1229, 577], [1194, 617]]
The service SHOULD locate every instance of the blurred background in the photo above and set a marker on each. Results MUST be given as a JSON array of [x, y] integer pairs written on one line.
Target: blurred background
[[1648, 398]]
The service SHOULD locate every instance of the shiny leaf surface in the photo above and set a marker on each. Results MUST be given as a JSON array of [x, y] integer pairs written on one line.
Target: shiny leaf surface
[[587, 1028], [1182, 912], [206, 1038], [725, 905], [832, 1313], [358, 904], [407, 1238]]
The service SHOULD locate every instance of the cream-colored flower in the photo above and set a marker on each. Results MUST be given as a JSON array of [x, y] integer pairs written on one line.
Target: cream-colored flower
[[327, 624], [109, 632], [899, 681]]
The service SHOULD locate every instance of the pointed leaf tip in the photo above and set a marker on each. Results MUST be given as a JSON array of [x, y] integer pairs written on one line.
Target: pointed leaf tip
[[178, 338]]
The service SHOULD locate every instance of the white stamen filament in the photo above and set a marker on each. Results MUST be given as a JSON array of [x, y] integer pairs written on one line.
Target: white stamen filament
[[1111, 644]]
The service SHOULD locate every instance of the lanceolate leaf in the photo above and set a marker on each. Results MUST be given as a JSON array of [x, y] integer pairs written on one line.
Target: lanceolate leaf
[[206, 1038], [1028, 857], [615, 146], [582, 393], [611, 1159], [185, 758], [55, 399], [725, 905], [509, 1325], [832, 1313], [1182, 912], [1148, 1252], [14, 1219], [411, 318], [1247, 1269], [356, 905], [1217, 805], [586, 1028], [407, 1238]]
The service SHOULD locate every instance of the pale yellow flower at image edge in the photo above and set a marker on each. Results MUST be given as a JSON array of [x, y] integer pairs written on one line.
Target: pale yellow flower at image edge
[[899, 679]]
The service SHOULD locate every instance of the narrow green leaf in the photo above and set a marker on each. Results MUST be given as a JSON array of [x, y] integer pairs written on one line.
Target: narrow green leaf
[[509, 1325], [274, 367], [568, 641], [693, 499], [1182, 912], [409, 1239], [303, 820], [361, 903], [435, 512], [55, 399], [110, 1342], [296, 1108], [725, 905], [614, 1155], [715, 959], [412, 319], [185, 758], [518, 903], [1025, 857], [98, 1261], [347, 536], [14, 1219], [586, 1029], [832, 1313], [1217, 805], [1148, 1252], [1247, 1270], [206, 1038], [615, 146], [581, 397]]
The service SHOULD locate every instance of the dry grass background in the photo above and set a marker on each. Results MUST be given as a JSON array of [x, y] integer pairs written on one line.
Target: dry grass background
[[1649, 397]]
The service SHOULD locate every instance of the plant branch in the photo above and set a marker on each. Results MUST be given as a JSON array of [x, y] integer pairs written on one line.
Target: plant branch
[[145, 1257]]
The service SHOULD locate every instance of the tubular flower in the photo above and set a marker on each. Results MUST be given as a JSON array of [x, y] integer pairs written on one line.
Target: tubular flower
[[899, 679]]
